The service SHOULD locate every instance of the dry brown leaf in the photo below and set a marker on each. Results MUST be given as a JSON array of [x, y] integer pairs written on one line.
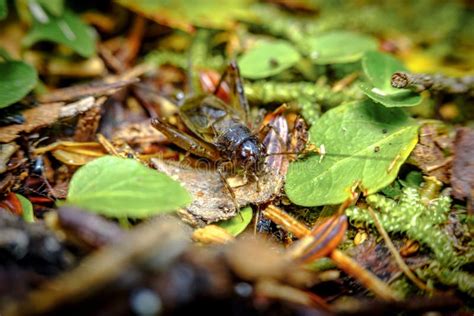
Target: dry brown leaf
[[462, 177]]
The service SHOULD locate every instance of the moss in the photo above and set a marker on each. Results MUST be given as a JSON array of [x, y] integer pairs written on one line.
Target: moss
[[419, 221]]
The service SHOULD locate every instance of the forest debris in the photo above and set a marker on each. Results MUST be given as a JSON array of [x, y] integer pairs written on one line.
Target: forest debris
[[462, 177], [88, 228], [435, 83], [73, 153], [6, 151], [88, 122], [429, 156], [159, 242], [37, 117], [396, 255], [46, 114], [271, 289], [29, 253], [212, 201], [413, 306], [84, 90], [212, 234], [139, 133]]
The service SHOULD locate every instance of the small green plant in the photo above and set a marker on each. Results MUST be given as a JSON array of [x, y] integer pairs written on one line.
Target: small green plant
[[365, 143], [119, 187]]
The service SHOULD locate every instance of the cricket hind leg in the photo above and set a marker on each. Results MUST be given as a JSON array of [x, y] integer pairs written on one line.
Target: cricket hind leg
[[238, 102], [185, 141]]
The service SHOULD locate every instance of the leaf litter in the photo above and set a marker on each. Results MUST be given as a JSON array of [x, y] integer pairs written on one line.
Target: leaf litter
[[371, 81]]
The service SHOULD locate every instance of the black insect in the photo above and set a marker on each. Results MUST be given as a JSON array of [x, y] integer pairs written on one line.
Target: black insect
[[221, 130]]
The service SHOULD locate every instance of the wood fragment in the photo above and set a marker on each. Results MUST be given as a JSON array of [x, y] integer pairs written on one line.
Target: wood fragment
[[35, 118], [85, 90], [436, 83]]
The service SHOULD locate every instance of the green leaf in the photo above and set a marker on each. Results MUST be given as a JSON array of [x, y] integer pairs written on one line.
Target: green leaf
[[68, 30], [118, 187], [16, 80], [401, 98], [267, 59], [3, 9], [378, 69], [185, 14], [27, 209], [338, 47], [238, 223], [55, 7], [365, 143]]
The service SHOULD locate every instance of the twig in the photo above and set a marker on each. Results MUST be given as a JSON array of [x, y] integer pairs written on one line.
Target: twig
[[343, 262], [398, 258], [435, 83]]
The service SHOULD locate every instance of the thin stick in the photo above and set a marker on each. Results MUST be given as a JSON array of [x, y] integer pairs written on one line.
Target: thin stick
[[398, 258], [436, 83], [342, 261], [364, 276], [288, 222]]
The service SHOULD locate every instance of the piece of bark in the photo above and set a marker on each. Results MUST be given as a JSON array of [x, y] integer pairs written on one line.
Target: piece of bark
[[37, 117], [44, 115]]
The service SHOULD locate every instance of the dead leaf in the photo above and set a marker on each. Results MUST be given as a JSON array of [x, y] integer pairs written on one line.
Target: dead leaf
[[429, 156], [462, 177]]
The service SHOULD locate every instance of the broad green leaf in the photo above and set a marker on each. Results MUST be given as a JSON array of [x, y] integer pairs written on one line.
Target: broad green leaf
[[238, 223], [27, 209], [3, 9], [67, 29], [118, 187], [338, 47], [268, 59], [55, 7], [365, 143], [378, 68], [184, 14], [400, 98], [16, 80]]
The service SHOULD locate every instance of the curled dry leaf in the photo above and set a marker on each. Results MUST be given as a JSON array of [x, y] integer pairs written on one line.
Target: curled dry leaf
[[212, 202]]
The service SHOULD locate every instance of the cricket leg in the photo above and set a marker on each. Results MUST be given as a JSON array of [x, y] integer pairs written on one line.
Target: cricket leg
[[228, 187], [185, 141]]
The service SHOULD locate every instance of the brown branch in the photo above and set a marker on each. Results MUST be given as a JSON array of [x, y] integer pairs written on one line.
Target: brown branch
[[435, 83]]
